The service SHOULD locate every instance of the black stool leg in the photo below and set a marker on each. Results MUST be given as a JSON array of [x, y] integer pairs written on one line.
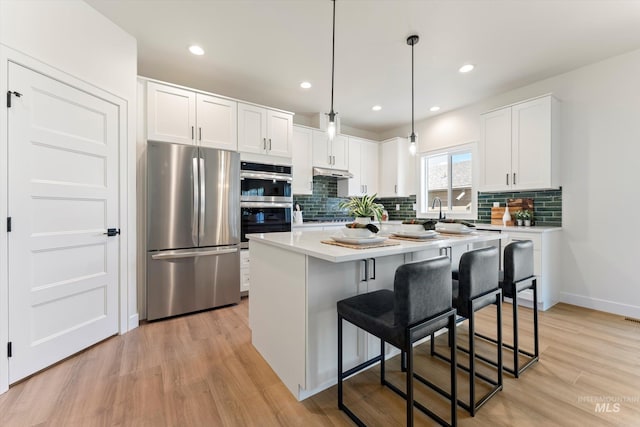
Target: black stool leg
[[514, 303], [454, 367], [499, 335], [340, 404], [536, 344], [472, 364], [382, 361], [409, 374]]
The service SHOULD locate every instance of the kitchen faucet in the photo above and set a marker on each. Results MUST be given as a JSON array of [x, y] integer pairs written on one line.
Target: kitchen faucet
[[433, 206]]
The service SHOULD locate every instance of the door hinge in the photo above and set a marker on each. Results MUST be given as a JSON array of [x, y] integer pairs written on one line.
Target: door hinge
[[112, 232], [9, 349], [8, 224], [9, 93]]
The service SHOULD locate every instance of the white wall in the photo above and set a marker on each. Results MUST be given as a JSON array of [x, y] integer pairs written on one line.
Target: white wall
[[600, 148], [75, 39]]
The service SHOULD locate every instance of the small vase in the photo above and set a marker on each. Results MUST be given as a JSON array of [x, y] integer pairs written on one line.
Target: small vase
[[362, 220], [506, 218], [527, 223], [519, 221]]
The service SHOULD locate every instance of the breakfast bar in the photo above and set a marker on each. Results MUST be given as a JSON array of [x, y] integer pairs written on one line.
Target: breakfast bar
[[296, 281]]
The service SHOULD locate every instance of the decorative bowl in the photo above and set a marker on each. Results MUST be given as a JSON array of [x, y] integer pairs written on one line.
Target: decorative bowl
[[414, 228], [357, 232]]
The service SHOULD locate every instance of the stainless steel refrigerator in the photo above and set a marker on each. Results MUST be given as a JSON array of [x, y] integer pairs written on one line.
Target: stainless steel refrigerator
[[193, 228]]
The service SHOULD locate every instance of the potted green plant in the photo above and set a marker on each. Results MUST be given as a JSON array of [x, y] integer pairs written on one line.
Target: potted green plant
[[363, 208], [519, 217], [526, 217]]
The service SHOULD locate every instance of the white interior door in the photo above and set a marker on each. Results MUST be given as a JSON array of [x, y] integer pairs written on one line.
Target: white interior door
[[62, 196]]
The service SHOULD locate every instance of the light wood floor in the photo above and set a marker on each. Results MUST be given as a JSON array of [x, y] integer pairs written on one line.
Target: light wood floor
[[201, 370]]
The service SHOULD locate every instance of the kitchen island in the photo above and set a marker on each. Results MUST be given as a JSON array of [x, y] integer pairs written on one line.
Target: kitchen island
[[295, 283]]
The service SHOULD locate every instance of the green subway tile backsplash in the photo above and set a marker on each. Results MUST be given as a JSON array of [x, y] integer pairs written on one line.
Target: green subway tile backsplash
[[547, 205], [323, 203]]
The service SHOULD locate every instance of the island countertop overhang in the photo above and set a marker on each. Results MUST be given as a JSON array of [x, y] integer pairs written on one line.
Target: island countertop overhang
[[310, 243]]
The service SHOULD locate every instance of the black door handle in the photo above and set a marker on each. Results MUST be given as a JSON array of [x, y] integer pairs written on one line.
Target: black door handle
[[112, 232]]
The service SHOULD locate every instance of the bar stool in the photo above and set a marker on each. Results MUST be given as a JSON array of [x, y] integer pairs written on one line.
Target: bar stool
[[419, 305], [477, 287], [518, 277]]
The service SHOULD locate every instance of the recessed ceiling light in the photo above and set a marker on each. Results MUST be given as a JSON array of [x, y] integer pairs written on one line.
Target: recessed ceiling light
[[434, 108], [376, 108], [466, 68], [196, 50], [305, 85]]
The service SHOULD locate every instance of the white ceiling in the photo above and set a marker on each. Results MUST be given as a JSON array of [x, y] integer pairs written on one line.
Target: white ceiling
[[260, 50]]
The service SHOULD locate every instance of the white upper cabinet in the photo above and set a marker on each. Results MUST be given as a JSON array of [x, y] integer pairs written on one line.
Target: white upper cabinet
[[330, 154], [397, 169], [217, 120], [363, 164], [264, 131], [186, 117], [519, 148], [302, 161], [171, 114]]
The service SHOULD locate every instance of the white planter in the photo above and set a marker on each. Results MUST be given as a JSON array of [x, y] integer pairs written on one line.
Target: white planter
[[362, 220], [527, 223], [519, 221]]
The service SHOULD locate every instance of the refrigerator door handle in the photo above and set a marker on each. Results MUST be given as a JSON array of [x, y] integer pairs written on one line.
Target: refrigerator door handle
[[189, 253], [202, 199], [196, 197]]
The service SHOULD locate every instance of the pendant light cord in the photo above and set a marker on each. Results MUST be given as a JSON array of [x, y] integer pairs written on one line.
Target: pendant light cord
[[333, 52], [413, 134], [412, 40]]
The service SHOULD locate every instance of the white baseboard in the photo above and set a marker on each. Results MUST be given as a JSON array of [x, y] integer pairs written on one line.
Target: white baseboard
[[601, 305], [134, 322]]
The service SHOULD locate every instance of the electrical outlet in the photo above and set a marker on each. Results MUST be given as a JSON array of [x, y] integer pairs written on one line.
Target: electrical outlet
[[414, 207], [397, 206]]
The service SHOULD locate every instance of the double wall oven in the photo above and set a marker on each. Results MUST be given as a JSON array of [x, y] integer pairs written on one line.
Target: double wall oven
[[266, 200]]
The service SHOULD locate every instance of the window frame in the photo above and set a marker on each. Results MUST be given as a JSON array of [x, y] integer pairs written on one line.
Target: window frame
[[422, 198]]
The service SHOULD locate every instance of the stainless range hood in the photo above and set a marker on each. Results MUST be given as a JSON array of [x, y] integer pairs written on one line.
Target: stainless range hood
[[336, 173]]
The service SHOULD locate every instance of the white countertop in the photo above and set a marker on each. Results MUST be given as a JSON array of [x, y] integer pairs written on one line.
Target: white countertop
[[309, 243], [518, 229]]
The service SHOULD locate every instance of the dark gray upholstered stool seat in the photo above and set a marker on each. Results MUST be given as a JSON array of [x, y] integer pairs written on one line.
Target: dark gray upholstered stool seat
[[477, 288], [517, 277], [419, 305]]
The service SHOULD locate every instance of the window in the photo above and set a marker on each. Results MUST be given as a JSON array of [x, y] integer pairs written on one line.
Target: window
[[448, 175]]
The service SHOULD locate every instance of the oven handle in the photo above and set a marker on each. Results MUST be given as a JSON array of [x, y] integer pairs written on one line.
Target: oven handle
[[265, 205], [267, 176]]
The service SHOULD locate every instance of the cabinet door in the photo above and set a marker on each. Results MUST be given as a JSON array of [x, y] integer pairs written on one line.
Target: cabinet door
[[495, 150], [252, 129], [355, 184], [388, 169], [531, 145], [279, 133], [340, 152], [217, 121], [368, 166], [302, 161], [171, 114], [321, 153]]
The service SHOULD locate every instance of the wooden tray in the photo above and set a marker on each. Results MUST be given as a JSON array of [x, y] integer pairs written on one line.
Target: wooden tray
[[515, 205], [367, 246]]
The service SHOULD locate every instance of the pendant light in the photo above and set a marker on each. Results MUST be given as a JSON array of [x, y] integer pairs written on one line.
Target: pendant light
[[411, 41], [331, 127]]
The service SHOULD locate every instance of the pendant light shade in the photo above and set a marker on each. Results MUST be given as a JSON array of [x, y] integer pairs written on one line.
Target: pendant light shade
[[331, 127], [412, 41]]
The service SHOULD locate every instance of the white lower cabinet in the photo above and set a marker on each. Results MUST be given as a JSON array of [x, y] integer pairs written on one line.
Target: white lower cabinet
[[327, 283], [244, 270], [545, 266]]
